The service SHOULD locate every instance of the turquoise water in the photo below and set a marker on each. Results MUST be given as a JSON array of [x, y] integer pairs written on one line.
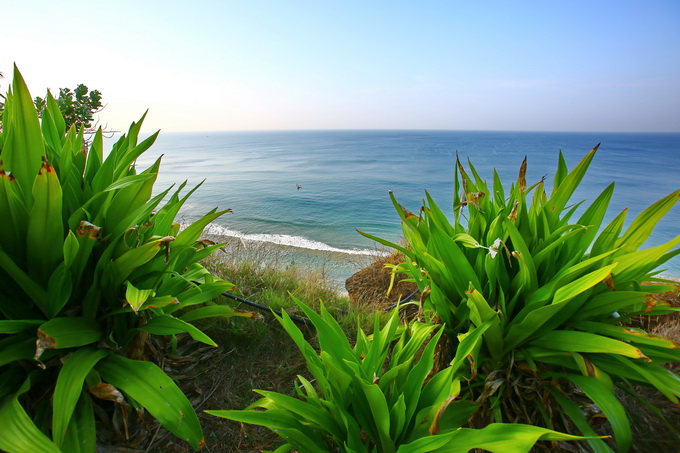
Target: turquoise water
[[344, 177]]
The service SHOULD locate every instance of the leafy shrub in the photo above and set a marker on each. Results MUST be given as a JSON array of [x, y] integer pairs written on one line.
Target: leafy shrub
[[77, 107], [90, 265], [549, 294], [381, 395]]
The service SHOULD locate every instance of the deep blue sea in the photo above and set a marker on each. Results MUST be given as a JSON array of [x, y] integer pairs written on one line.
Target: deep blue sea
[[344, 177]]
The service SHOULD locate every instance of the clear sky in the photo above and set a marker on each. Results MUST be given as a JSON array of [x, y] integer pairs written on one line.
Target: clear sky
[[594, 65]]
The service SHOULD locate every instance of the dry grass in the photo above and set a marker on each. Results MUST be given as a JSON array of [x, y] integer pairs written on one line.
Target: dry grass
[[369, 287]]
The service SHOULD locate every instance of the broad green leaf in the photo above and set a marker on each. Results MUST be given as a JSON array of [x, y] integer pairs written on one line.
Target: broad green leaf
[[495, 438], [562, 193], [16, 347], [18, 433], [634, 266], [606, 304], [519, 331], [59, 333], [191, 233], [216, 311], [69, 388], [17, 326], [45, 227], [130, 198], [169, 325], [572, 340], [136, 297], [81, 434], [397, 418], [15, 217], [95, 157], [561, 171], [280, 422], [52, 124], [649, 374], [128, 181], [59, 289], [71, 247], [23, 146], [305, 412], [481, 313], [33, 289], [643, 225], [625, 333], [122, 267], [156, 392], [381, 414], [610, 406], [469, 345], [576, 414], [607, 239], [198, 294], [592, 219]]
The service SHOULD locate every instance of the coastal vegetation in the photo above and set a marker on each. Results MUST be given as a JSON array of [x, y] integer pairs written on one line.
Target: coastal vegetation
[[91, 266], [548, 300], [530, 329]]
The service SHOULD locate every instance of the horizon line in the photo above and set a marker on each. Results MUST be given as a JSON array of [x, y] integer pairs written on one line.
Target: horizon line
[[409, 130]]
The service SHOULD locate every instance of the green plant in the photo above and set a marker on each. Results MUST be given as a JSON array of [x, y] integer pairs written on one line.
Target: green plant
[[77, 107], [90, 265], [549, 293], [382, 395]]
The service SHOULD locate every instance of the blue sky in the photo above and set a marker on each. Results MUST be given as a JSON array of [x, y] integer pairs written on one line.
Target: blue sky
[[224, 65]]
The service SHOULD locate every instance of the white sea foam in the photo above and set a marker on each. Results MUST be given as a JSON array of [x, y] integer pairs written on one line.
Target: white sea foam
[[288, 241]]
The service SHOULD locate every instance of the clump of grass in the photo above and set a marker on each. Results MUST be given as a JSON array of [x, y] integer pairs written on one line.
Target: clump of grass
[[376, 286]]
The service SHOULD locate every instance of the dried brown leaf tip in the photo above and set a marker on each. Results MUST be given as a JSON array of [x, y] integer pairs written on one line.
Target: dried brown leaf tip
[[591, 370], [522, 175], [651, 303], [46, 166], [108, 392], [609, 281], [473, 368], [515, 208], [408, 214], [43, 342], [87, 229], [471, 198], [461, 169], [434, 428]]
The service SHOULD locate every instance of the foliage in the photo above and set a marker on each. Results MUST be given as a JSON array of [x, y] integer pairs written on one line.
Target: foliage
[[2, 103], [77, 107], [90, 265], [379, 396], [548, 293]]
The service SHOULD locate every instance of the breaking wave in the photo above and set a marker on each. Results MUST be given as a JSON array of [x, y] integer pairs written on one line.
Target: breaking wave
[[287, 241]]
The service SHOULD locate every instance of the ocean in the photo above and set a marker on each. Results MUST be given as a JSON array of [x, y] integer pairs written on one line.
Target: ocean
[[310, 191]]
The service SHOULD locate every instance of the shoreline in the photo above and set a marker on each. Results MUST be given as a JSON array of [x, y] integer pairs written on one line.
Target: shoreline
[[335, 264]]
